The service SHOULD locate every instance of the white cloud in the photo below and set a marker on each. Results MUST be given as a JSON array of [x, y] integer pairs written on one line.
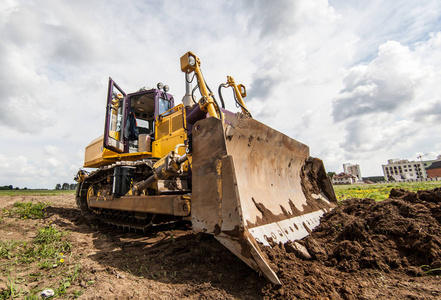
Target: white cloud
[[53, 162], [51, 150], [17, 171], [391, 103], [387, 83]]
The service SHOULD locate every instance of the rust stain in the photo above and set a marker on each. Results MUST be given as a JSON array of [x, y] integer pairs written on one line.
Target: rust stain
[[219, 178], [313, 181], [236, 232], [307, 228], [217, 229], [250, 139]]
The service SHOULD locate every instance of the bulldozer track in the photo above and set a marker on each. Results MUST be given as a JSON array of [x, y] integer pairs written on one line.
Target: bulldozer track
[[124, 220], [133, 224], [127, 226]]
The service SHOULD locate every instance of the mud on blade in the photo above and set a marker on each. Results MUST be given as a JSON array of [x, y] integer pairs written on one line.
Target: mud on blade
[[253, 185]]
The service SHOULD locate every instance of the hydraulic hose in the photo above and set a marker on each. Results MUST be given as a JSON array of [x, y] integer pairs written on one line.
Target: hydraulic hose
[[214, 100], [247, 112], [219, 91], [192, 93]]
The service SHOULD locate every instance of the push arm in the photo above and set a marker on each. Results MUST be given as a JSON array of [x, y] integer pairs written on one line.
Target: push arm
[[239, 93], [191, 63]]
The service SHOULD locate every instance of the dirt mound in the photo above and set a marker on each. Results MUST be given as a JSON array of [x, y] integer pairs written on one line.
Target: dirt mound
[[400, 235]]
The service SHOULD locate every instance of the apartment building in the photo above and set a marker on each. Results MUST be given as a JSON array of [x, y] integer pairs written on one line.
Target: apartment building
[[352, 169], [402, 169]]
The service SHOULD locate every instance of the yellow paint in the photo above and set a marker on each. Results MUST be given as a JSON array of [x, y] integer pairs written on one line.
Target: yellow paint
[[174, 134], [90, 193], [108, 157], [219, 178], [239, 92], [114, 134], [207, 102]]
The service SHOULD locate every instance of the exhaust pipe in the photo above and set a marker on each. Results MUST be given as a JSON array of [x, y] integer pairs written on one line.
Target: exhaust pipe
[[187, 100]]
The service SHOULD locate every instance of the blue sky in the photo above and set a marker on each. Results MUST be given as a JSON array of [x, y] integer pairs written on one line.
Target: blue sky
[[357, 81]]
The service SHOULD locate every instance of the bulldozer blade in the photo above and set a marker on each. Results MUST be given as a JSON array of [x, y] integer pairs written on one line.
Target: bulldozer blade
[[254, 187]]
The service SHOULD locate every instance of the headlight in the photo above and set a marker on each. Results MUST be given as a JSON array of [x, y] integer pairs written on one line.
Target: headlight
[[160, 85], [166, 88], [191, 60], [242, 90]]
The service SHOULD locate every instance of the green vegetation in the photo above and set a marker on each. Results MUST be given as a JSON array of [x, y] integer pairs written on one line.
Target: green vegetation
[[48, 244], [66, 186], [27, 264], [46, 251], [380, 191], [6, 187], [12, 291], [35, 192], [27, 210]]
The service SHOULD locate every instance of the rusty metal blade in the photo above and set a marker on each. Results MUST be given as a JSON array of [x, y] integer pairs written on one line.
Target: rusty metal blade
[[255, 186]]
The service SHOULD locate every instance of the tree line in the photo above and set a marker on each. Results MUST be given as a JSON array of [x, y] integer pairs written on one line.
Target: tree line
[[66, 186], [59, 186], [7, 187], [10, 187]]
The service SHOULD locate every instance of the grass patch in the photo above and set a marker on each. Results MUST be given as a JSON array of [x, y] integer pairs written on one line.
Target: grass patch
[[7, 248], [70, 277], [29, 210], [50, 245], [48, 235], [47, 248], [12, 290], [46, 252], [380, 191], [36, 192]]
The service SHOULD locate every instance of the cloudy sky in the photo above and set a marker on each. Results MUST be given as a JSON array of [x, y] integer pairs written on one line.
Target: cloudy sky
[[357, 81]]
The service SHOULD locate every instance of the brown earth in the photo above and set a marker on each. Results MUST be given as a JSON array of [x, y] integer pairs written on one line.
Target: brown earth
[[361, 250]]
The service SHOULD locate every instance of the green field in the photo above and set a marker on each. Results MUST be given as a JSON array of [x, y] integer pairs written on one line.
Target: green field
[[374, 191], [380, 191], [35, 192]]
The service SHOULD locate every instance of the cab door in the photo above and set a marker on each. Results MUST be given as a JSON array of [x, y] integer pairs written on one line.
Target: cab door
[[115, 116]]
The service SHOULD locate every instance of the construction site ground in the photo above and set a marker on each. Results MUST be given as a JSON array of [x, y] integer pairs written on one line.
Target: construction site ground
[[362, 250]]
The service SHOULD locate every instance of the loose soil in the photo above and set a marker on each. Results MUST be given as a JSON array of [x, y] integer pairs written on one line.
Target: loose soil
[[363, 249]]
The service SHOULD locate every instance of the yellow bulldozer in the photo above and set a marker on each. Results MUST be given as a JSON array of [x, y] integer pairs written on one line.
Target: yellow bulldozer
[[223, 173]]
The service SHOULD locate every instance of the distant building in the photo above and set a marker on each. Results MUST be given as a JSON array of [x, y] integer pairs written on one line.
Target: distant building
[[434, 170], [344, 178], [352, 169], [402, 169]]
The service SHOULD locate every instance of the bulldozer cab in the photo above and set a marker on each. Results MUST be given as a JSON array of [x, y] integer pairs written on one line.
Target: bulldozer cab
[[130, 117]]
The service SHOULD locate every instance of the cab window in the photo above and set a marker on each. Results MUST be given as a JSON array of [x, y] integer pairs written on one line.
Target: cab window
[[164, 105]]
